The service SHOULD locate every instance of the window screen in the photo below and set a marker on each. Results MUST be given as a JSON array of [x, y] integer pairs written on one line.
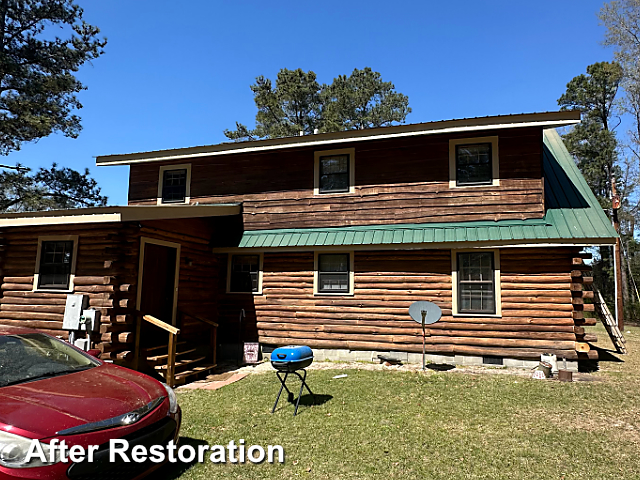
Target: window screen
[[476, 283], [474, 164], [55, 264], [334, 174], [174, 186], [245, 273], [333, 273]]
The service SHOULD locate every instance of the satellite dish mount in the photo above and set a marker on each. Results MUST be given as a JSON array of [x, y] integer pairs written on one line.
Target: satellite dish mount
[[425, 313]]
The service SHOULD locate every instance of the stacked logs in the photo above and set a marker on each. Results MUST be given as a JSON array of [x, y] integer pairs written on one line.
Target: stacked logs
[[537, 308], [581, 279]]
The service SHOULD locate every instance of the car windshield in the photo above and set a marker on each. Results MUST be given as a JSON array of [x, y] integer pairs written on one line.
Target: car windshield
[[30, 356]]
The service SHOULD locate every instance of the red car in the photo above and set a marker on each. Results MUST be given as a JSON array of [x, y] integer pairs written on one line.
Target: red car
[[52, 390]]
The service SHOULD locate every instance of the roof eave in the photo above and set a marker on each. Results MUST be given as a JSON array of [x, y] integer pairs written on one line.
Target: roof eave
[[129, 213], [543, 120], [521, 243]]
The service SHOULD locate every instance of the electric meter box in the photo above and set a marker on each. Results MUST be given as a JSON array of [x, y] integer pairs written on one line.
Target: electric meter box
[[90, 320], [73, 311], [82, 344]]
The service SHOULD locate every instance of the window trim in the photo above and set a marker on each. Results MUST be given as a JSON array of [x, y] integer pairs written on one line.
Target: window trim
[[187, 195], [316, 277], [352, 171], [495, 163], [496, 282], [260, 272], [74, 262]]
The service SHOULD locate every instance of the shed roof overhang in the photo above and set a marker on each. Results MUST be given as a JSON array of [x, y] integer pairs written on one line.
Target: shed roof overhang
[[129, 213], [543, 120]]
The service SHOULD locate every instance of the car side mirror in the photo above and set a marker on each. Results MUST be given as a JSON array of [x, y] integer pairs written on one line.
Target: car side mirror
[[94, 352]]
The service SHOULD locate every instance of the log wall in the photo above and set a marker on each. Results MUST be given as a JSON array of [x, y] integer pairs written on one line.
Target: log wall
[[107, 271], [537, 309], [396, 181], [199, 270]]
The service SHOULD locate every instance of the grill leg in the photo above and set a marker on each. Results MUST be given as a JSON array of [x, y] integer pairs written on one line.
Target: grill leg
[[282, 381], [283, 386], [303, 384]]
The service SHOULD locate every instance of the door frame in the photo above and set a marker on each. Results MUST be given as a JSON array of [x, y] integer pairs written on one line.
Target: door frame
[[163, 243]]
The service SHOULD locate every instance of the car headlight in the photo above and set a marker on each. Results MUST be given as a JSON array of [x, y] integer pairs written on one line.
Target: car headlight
[[14, 450], [173, 400]]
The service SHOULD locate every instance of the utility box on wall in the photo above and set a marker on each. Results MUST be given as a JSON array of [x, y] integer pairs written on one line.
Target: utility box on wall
[[90, 320], [73, 311]]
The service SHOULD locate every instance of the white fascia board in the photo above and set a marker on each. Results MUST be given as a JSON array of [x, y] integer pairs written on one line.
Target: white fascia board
[[60, 220]]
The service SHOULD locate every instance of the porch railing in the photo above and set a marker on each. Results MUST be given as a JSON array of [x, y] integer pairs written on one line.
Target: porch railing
[[214, 332], [170, 372]]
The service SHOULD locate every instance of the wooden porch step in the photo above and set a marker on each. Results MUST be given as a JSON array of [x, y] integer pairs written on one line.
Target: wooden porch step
[[161, 348], [181, 363], [164, 357], [182, 377]]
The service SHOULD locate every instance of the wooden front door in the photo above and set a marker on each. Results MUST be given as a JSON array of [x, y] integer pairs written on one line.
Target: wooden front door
[[157, 294]]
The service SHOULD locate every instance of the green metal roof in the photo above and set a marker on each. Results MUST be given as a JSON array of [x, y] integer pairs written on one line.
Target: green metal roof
[[573, 216]]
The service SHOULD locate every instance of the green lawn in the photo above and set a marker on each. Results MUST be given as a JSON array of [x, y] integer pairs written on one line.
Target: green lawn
[[438, 426]]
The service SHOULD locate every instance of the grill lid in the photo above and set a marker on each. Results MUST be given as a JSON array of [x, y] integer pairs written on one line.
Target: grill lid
[[291, 353]]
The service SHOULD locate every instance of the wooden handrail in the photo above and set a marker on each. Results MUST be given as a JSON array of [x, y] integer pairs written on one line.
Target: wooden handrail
[[200, 319], [159, 323], [173, 335], [170, 372]]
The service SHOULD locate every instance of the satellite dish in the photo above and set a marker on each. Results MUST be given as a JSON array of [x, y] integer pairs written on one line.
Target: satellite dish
[[431, 311]]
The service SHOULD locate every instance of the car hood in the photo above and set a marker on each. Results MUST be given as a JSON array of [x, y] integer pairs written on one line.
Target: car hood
[[43, 407]]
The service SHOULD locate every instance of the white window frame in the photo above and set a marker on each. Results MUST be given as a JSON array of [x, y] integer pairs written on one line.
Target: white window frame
[[74, 262], [260, 272], [495, 163], [496, 282], [184, 166], [352, 170], [350, 293]]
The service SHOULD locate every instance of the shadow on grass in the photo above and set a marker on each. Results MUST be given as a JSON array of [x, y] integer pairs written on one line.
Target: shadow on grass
[[305, 401], [171, 471], [604, 355], [440, 367]]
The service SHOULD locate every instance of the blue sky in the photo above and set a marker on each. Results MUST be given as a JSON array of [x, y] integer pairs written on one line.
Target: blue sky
[[177, 76]]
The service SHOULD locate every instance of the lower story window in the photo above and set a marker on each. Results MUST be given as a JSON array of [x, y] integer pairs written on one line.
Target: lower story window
[[245, 274], [56, 258], [333, 273], [476, 283]]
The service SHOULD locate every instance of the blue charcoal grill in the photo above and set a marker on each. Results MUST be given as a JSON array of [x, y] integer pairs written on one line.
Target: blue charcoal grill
[[291, 360]]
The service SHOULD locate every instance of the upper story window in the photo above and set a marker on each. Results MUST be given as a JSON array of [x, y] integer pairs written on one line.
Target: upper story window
[[334, 273], [477, 282], [334, 171], [245, 274], [55, 263], [473, 162], [174, 184]]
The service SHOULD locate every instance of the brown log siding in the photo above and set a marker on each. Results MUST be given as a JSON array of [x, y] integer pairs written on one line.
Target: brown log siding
[[537, 311], [107, 271], [397, 181]]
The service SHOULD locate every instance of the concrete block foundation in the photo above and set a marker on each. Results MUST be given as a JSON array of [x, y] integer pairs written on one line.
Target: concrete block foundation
[[416, 358]]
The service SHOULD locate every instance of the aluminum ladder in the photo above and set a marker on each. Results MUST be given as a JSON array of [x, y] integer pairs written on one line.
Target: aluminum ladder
[[609, 322]]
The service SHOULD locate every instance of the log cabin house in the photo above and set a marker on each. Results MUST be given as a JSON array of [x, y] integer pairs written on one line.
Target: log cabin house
[[325, 240]]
